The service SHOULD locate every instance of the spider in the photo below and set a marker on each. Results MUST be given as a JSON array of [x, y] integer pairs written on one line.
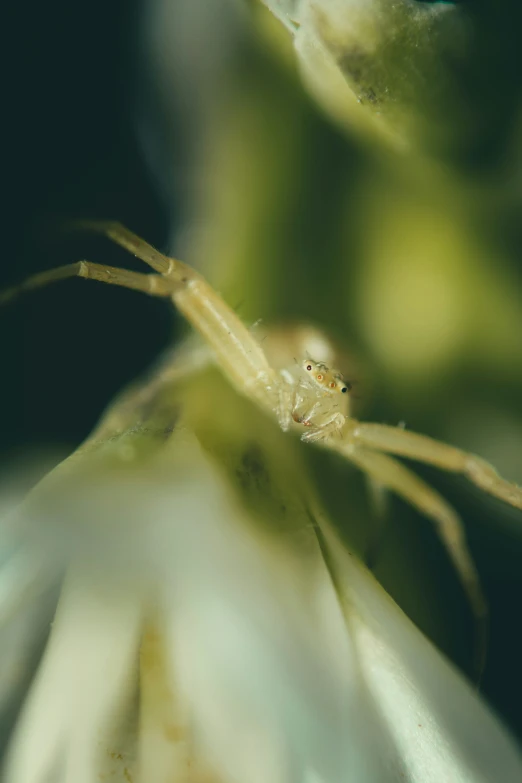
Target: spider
[[307, 396]]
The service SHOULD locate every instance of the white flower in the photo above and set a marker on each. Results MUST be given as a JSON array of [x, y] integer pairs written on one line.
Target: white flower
[[194, 637], [385, 66]]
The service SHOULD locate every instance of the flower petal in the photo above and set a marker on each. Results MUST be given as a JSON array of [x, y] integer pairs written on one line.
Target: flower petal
[[84, 683], [442, 729]]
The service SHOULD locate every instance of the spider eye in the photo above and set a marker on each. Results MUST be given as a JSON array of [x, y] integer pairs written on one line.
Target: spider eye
[[332, 385], [319, 377], [344, 389], [308, 367]]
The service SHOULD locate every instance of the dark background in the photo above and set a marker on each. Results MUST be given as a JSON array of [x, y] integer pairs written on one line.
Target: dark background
[[71, 150]]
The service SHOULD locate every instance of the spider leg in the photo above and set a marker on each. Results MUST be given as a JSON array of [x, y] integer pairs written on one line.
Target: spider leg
[[286, 404], [236, 350], [393, 475], [155, 285], [133, 244], [419, 447], [305, 417], [332, 424]]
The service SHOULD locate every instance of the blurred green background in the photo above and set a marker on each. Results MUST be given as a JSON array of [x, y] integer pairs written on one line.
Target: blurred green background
[[196, 132]]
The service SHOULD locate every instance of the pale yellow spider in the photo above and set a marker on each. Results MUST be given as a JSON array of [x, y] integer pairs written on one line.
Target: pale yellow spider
[[304, 395]]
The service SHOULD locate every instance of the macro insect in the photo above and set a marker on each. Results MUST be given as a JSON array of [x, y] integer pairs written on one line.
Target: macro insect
[[306, 395]]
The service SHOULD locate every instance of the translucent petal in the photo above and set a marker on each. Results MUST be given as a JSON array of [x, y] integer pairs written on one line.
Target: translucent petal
[[84, 682], [383, 66], [440, 726], [283, 658]]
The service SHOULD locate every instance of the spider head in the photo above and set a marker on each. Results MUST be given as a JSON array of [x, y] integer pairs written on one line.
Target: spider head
[[328, 380]]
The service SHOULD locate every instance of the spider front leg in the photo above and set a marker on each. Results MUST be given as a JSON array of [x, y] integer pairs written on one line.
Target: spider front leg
[[419, 447], [237, 352], [235, 349], [394, 476], [286, 402], [328, 426], [155, 285], [319, 411]]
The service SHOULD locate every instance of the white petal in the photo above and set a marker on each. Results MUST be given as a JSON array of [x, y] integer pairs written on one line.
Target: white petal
[[287, 11], [441, 727], [27, 602], [266, 665], [84, 682], [286, 660]]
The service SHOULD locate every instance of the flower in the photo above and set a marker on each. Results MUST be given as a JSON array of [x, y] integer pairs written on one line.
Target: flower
[[385, 68], [210, 621]]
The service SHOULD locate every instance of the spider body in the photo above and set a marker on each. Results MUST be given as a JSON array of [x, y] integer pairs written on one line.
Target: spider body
[[305, 395], [318, 398]]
